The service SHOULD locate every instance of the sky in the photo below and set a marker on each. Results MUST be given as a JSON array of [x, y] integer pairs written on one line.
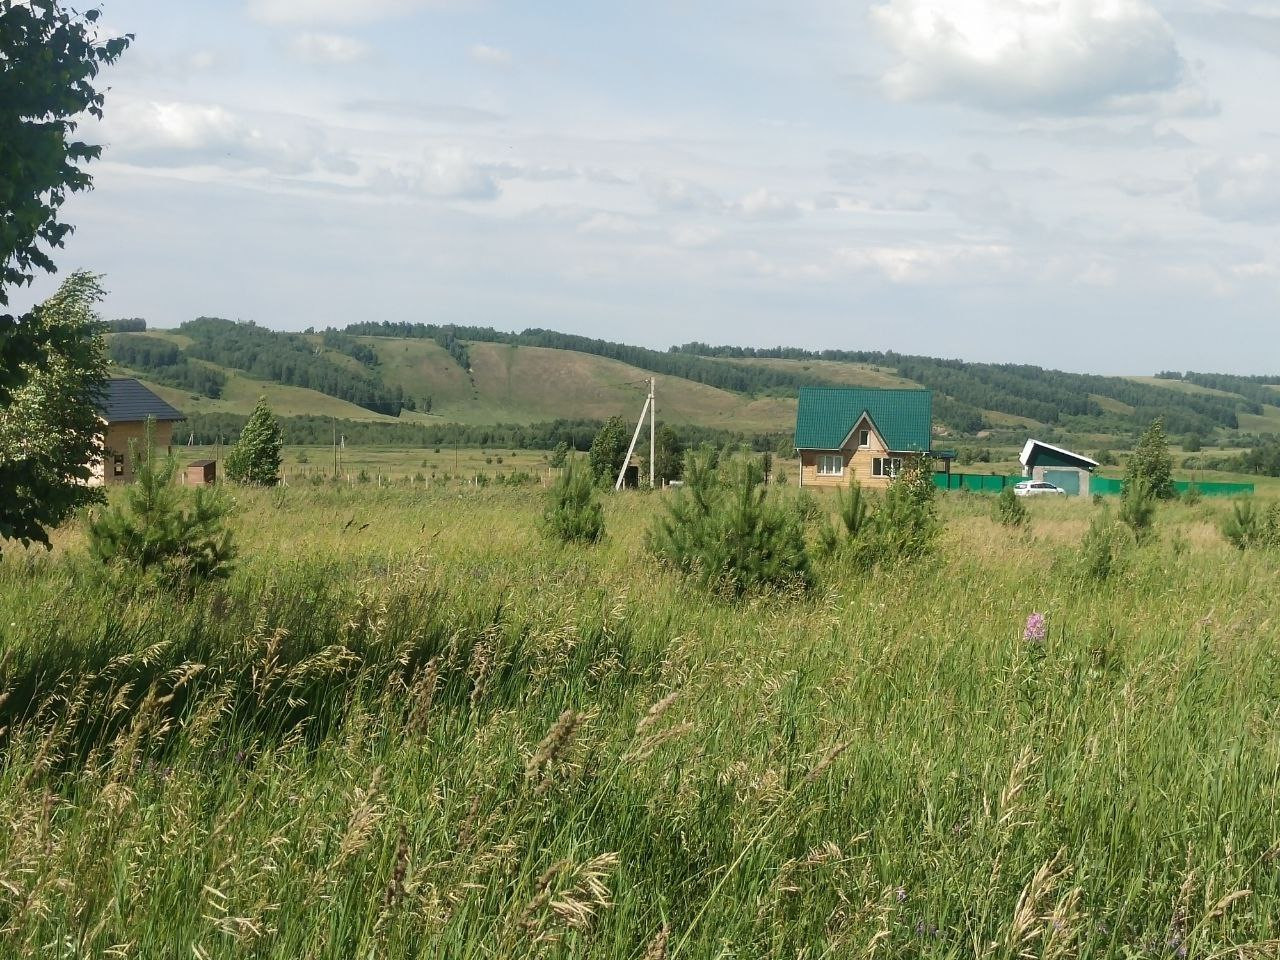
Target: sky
[[1089, 185]]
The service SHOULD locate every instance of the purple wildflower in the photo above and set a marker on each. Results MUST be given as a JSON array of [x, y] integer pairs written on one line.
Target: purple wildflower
[[1036, 629]]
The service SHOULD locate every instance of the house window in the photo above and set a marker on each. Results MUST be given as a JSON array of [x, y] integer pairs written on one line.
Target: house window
[[886, 466], [830, 465], [117, 464], [864, 438]]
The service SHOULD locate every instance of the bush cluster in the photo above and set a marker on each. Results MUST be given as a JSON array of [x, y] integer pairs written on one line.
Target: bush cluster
[[1247, 526], [574, 514], [903, 525], [729, 534]]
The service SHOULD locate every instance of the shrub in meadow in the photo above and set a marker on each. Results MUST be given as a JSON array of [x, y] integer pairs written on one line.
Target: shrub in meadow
[[907, 525], [1009, 509], [1102, 549], [856, 524], [155, 531], [1138, 508], [1246, 526], [574, 514], [732, 536]]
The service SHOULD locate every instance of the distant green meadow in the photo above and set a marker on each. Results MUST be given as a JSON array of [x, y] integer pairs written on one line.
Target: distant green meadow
[[411, 726]]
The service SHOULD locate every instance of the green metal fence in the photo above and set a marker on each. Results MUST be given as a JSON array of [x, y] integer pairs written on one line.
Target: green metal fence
[[1107, 486], [977, 482]]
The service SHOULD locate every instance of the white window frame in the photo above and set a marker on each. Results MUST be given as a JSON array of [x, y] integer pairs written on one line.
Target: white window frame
[[864, 438], [886, 467], [826, 461]]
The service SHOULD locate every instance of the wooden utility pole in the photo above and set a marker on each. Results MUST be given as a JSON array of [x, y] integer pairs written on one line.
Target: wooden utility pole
[[652, 434], [647, 409]]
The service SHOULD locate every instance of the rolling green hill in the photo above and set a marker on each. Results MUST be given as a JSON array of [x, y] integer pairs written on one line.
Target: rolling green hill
[[416, 373]]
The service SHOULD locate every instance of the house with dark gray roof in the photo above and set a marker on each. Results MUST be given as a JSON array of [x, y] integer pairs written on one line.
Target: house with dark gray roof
[[125, 406], [860, 433]]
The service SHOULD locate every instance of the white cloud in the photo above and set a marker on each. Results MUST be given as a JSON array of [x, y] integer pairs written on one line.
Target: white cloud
[[922, 263], [1059, 56], [328, 48], [490, 56], [1240, 188], [674, 193], [334, 11], [690, 235], [177, 134], [764, 205], [449, 173], [603, 223]]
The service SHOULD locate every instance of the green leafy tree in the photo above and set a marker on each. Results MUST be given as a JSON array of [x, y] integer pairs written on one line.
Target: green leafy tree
[[668, 457], [159, 529], [49, 59], [49, 429], [573, 513], [608, 450], [1192, 444], [1151, 462], [255, 459], [560, 455]]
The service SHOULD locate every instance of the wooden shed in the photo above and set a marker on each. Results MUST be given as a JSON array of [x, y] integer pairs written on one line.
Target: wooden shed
[[200, 473]]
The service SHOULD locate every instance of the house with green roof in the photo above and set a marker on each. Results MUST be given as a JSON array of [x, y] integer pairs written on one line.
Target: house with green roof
[[862, 433]]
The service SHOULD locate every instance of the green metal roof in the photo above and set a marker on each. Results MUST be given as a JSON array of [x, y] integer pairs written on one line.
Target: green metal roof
[[827, 414]]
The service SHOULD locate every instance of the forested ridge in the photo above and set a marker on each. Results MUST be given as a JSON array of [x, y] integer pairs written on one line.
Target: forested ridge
[[966, 394], [288, 358], [163, 362], [962, 390]]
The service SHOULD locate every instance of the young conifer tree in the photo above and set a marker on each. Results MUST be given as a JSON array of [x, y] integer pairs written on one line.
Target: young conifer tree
[[153, 530]]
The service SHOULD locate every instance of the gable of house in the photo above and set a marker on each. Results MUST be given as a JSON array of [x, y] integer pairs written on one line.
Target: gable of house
[[826, 416]]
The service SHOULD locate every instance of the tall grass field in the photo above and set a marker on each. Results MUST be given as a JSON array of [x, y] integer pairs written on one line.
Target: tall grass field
[[410, 725]]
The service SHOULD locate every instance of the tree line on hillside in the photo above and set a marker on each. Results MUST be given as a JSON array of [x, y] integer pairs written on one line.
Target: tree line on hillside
[[1260, 389], [962, 390], [211, 428], [343, 343], [727, 376], [288, 358], [163, 362], [1026, 390], [451, 338]]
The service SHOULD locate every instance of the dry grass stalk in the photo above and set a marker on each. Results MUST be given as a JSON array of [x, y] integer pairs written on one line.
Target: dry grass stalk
[[366, 811], [568, 897], [395, 887], [655, 712], [422, 695], [552, 746], [657, 948], [1044, 923], [828, 759]]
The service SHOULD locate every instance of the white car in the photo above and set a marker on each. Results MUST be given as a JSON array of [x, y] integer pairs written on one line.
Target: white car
[[1034, 488]]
